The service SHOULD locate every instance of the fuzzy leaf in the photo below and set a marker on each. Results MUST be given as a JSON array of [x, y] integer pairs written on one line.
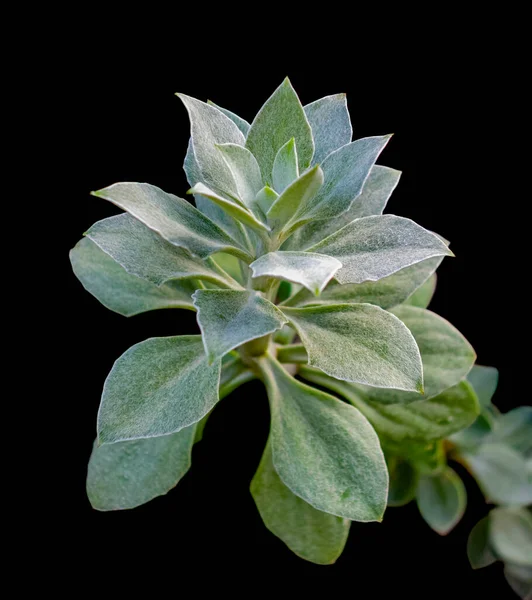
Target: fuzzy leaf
[[511, 535], [330, 124], [311, 534], [314, 271], [245, 171], [478, 546], [285, 167], [442, 500], [265, 198], [173, 218], [375, 247], [423, 295], [324, 451], [359, 342], [280, 119], [403, 482], [119, 291], [157, 387], [514, 429], [241, 123], [230, 318], [485, 381]]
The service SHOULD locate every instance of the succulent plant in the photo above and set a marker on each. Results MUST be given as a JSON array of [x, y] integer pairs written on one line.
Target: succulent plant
[[293, 271]]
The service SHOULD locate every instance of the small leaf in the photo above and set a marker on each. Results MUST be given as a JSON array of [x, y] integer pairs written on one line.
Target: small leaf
[[423, 295], [245, 170], [314, 271], [285, 168], [280, 119], [479, 551], [442, 500], [157, 387], [403, 482], [265, 198], [330, 124], [359, 342], [484, 380], [511, 535], [119, 291], [241, 123], [173, 218], [128, 474], [515, 430], [375, 247], [324, 450], [228, 319], [311, 534], [520, 580]]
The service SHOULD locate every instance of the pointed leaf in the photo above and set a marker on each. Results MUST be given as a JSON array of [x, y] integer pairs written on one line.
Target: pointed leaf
[[442, 500], [119, 291], [403, 482], [157, 387], [281, 118], [314, 271], [479, 551], [324, 451], [359, 342], [245, 171], [330, 124], [241, 123], [375, 247], [520, 580], [311, 534], [285, 167], [511, 535], [228, 319], [423, 295], [265, 198]]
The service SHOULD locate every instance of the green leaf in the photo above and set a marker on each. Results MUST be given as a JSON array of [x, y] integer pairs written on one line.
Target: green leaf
[[520, 580], [157, 387], [428, 458], [280, 119], [231, 265], [208, 127], [311, 534], [424, 420], [324, 450], [173, 218], [285, 168], [442, 500], [511, 535], [479, 551], [228, 319], [241, 123], [515, 430], [119, 291], [475, 434], [375, 247], [330, 124], [423, 295], [403, 482], [359, 342], [245, 171], [501, 474], [265, 198], [484, 380], [314, 271], [128, 474]]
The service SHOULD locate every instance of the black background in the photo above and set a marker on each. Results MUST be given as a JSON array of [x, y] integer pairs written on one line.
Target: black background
[[119, 120]]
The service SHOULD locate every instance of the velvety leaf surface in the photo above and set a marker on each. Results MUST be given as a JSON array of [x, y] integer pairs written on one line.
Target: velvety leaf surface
[[157, 387], [403, 482], [511, 535], [324, 451], [245, 171], [285, 167], [479, 551], [311, 534], [241, 123], [423, 295], [484, 380]]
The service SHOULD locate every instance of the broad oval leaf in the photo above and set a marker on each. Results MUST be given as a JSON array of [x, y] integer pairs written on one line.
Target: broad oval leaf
[[311, 534], [330, 123], [119, 291], [441, 500], [485, 381], [314, 271], [281, 118], [230, 318], [374, 247], [285, 167], [324, 450], [511, 535], [423, 295], [403, 482], [157, 387], [245, 171], [359, 342], [479, 551], [241, 123]]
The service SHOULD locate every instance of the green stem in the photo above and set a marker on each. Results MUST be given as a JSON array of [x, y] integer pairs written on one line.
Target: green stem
[[227, 280], [294, 353], [225, 389]]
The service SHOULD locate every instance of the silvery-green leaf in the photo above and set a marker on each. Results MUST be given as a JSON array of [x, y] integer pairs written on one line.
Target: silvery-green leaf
[[157, 387], [228, 320], [265, 198], [311, 534], [520, 580], [423, 295], [144, 253], [484, 380], [479, 551], [424, 420], [441, 500], [377, 189], [403, 482], [324, 450], [173, 218], [241, 123], [359, 342], [514, 429], [375, 247], [314, 271], [128, 474], [297, 193], [245, 170], [511, 535], [119, 291], [208, 127], [280, 119], [285, 167], [330, 124], [501, 474]]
